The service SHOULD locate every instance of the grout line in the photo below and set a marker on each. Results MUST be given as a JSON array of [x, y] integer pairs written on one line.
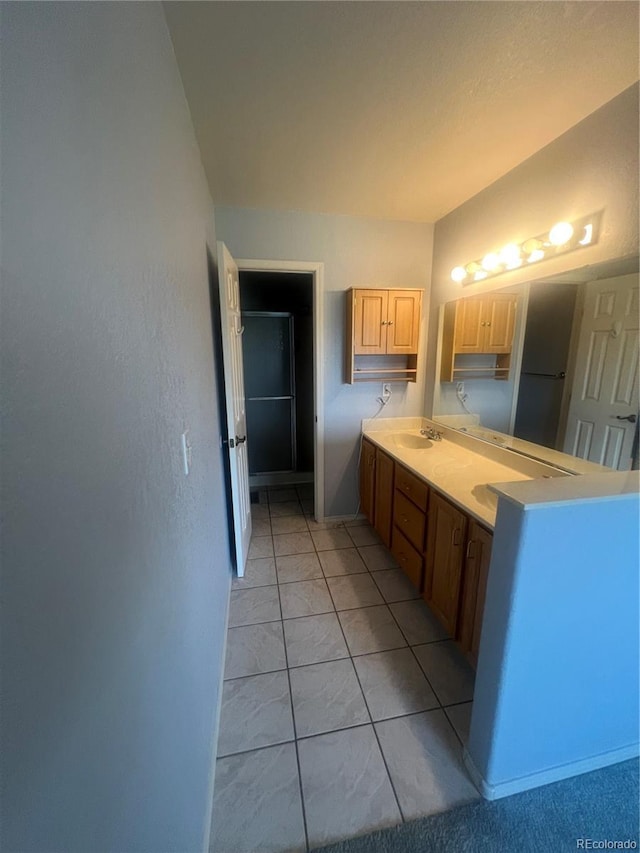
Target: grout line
[[455, 730], [375, 733], [456, 704], [316, 662], [295, 735], [255, 748], [257, 674], [261, 622]]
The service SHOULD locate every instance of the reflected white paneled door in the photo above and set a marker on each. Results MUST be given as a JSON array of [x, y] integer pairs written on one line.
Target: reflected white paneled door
[[603, 411], [235, 403]]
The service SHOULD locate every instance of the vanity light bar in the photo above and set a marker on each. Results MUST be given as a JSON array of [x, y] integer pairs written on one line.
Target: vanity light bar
[[561, 238]]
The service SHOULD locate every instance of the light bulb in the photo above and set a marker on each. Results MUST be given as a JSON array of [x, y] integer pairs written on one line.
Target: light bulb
[[536, 255], [510, 255], [561, 233], [480, 275], [531, 245], [458, 274], [491, 262], [473, 267], [588, 235]]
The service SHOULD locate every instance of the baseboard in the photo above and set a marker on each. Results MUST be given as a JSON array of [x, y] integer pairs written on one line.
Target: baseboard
[[208, 820], [290, 478], [545, 777], [341, 519]]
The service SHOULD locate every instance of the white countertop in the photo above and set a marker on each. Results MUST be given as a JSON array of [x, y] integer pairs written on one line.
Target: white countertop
[[610, 486], [472, 473], [459, 473]]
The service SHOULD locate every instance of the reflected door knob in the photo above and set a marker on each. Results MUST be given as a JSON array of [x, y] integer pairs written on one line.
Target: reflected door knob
[[631, 418]]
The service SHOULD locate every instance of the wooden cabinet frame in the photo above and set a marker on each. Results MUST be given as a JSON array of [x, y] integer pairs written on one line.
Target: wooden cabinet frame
[[442, 550], [474, 589], [478, 325], [383, 332]]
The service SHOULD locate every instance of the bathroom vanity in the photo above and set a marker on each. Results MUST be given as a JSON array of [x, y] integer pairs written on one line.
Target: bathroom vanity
[[534, 571], [430, 503]]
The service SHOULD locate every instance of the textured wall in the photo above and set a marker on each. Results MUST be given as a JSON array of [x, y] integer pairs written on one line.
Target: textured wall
[[114, 571], [556, 691], [592, 167], [355, 253]]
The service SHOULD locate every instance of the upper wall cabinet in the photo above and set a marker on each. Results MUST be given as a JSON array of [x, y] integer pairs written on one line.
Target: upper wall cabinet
[[478, 325], [383, 330]]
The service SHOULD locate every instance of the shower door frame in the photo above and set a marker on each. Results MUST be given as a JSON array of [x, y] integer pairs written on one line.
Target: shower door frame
[[316, 269], [292, 383]]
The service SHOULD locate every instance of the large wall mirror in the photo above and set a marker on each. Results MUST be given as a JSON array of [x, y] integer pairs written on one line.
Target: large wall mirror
[[550, 365]]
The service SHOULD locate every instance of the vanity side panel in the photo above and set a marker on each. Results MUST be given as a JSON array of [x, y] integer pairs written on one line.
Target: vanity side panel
[[557, 689]]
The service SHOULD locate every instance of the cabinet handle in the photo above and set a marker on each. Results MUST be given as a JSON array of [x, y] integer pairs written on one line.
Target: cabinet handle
[[390, 323], [483, 323], [455, 537], [384, 322], [470, 548], [405, 519], [488, 324]]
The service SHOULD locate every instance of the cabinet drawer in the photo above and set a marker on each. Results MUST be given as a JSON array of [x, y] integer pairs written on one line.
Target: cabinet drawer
[[410, 520], [409, 559], [412, 487]]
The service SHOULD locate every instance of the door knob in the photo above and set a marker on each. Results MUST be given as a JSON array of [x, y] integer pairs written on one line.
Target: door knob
[[240, 439], [631, 418]]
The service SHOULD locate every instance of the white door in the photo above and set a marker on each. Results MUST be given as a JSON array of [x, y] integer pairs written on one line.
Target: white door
[[603, 411], [235, 404]]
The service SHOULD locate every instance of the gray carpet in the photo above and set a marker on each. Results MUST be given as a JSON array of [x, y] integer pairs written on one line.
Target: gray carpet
[[602, 806]]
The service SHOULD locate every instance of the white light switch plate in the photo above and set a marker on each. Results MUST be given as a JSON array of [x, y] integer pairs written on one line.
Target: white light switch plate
[[186, 452]]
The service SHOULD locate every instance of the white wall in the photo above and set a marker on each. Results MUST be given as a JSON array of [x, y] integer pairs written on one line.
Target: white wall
[[356, 253], [115, 576], [557, 690], [592, 167]]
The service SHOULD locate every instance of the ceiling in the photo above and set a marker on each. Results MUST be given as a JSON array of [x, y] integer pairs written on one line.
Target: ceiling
[[394, 110]]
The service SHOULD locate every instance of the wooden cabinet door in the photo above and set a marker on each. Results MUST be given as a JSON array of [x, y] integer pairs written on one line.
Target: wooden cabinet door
[[474, 589], [383, 511], [403, 321], [498, 319], [370, 321], [446, 534], [368, 479], [468, 334]]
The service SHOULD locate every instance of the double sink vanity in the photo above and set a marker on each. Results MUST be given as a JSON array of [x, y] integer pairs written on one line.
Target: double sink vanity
[[543, 562], [430, 502]]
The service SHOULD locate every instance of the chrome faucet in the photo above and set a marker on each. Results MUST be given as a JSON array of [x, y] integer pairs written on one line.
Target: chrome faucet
[[431, 433]]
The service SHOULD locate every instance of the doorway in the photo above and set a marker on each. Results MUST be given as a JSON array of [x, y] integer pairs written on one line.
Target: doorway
[[281, 307]]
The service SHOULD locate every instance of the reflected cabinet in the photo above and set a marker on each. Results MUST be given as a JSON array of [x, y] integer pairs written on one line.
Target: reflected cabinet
[[478, 326]]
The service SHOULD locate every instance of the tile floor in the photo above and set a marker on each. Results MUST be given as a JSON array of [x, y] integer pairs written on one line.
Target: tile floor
[[344, 707]]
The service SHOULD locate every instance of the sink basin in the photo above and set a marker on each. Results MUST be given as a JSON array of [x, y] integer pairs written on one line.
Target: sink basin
[[411, 441], [485, 497]]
